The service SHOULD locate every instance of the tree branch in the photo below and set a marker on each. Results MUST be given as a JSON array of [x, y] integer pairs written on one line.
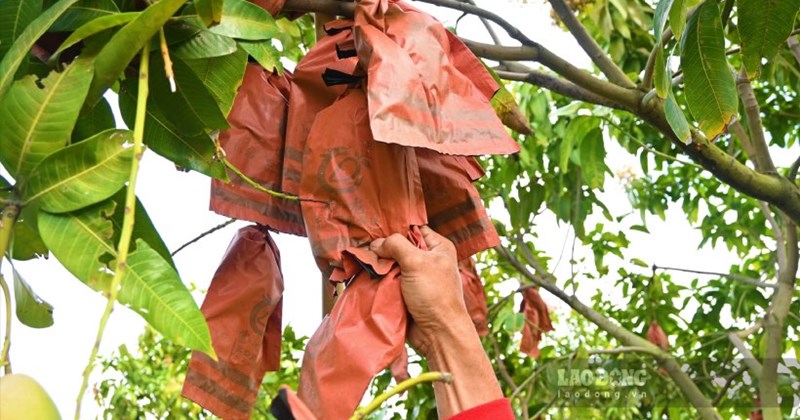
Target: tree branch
[[794, 47], [628, 338], [748, 358], [761, 159], [737, 277], [775, 321], [626, 97], [599, 57], [559, 86]]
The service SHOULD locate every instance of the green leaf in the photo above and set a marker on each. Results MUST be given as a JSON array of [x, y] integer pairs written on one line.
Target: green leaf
[[126, 43], [677, 121], [592, 156], [31, 309], [660, 18], [19, 50], [143, 227], [639, 262], [210, 11], [82, 174], [81, 241], [93, 27], [264, 53], [154, 290], [15, 15], [93, 120], [222, 76], [191, 108], [83, 12], [677, 18], [205, 44], [27, 244], [578, 128], [662, 75], [195, 152], [710, 89], [764, 25], [244, 20], [37, 121]]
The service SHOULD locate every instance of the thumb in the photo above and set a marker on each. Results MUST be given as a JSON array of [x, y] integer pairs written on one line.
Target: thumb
[[396, 247]]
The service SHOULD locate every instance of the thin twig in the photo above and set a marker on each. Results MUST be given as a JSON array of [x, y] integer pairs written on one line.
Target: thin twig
[[793, 170], [728, 382], [737, 277], [204, 234], [500, 363], [599, 57], [777, 232], [127, 223]]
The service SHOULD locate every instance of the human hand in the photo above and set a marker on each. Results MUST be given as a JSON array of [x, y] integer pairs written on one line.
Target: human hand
[[430, 284]]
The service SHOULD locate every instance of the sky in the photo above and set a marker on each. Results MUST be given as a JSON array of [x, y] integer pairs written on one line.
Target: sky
[[177, 203]]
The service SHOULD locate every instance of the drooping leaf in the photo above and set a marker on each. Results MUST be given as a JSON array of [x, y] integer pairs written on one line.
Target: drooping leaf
[[210, 11], [242, 19], [154, 290], [195, 152], [710, 88], [204, 44], [660, 18], [81, 241], [82, 174], [592, 156], [37, 121], [32, 310], [15, 15], [19, 50], [93, 27], [126, 43], [191, 108], [26, 243], [82, 13], [264, 53], [764, 26], [677, 17], [677, 121], [143, 227], [222, 76], [93, 120], [578, 128]]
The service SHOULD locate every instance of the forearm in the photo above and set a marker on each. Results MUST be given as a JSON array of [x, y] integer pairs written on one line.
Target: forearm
[[457, 349]]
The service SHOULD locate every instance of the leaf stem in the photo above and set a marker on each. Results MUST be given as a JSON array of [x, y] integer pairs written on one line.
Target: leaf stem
[[5, 361], [128, 220], [10, 213], [167, 60], [401, 387]]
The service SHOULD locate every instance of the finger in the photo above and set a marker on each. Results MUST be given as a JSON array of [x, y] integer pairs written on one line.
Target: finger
[[434, 240], [396, 247]]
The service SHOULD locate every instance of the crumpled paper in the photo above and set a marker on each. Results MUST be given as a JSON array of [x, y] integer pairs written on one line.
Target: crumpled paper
[[243, 311]]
